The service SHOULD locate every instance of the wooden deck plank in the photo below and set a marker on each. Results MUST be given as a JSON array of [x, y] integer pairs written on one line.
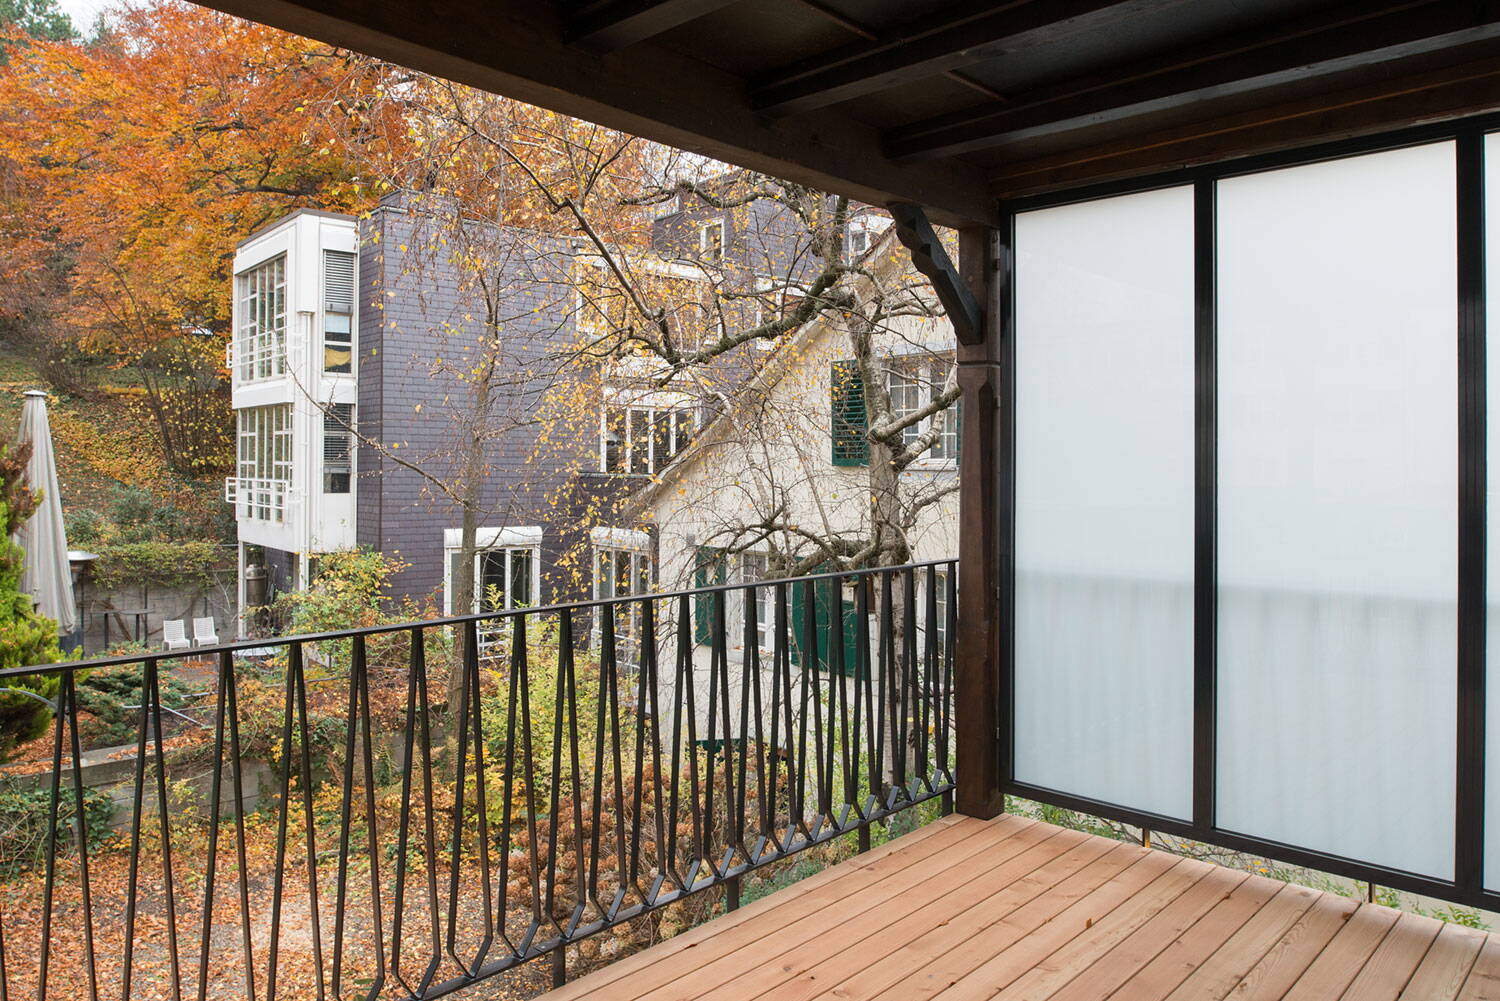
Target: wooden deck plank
[[1110, 969], [1446, 965], [1186, 953], [802, 897], [1230, 962], [1019, 910], [1099, 937], [928, 966], [1289, 956], [1057, 883], [1340, 961], [1089, 898], [689, 974], [1169, 877], [1483, 981], [788, 950], [840, 956], [1402, 950]]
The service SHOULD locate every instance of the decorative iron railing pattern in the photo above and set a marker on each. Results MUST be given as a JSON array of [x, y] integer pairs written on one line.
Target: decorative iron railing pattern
[[403, 849]]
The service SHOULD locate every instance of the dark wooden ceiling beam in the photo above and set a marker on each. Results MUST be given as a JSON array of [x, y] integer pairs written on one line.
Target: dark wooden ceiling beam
[[516, 48], [1333, 41], [608, 25], [1469, 87], [931, 46]]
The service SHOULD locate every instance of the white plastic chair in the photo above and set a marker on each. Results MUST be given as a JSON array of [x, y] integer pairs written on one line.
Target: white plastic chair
[[174, 635], [204, 632]]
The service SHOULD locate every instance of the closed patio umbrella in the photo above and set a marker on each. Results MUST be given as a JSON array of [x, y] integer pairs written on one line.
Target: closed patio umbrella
[[45, 575]]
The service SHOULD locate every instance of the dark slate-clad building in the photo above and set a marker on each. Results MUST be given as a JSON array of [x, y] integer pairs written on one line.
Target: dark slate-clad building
[[392, 368]]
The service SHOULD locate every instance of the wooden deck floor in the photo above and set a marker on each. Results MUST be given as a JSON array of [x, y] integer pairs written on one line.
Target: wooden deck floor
[[1016, 909]]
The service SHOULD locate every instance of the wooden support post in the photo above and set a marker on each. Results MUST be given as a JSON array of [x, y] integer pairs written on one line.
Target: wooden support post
[[981, 741]]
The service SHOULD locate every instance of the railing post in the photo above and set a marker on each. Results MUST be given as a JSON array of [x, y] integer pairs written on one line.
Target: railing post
[[981, 743]]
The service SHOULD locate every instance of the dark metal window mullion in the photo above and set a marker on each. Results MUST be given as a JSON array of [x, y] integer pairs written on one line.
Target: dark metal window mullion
[[1005, 274], [1205, 503], [1469, 777]]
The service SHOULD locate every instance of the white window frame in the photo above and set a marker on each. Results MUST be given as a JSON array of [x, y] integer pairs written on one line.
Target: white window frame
[[335, 417], [868, 229], [919, 379], [263, 463], [488, 540], [260, 321], [337, 310], [753, 567], [635, 547], [677, 439], [703, 240]]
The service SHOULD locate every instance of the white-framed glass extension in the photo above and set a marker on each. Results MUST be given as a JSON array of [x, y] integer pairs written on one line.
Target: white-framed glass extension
[[263, 463], [1247, 481], [260, 316], [506, 574]]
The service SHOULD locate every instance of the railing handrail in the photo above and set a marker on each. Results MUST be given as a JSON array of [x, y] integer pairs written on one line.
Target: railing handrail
[[587, 777], [451, 620]]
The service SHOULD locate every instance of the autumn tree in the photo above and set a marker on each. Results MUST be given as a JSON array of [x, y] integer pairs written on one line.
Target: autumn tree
[[22, 20], [135, 164]]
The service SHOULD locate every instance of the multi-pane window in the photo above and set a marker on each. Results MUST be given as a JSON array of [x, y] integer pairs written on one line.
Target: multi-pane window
[[643, 440], [263, 461], [338, 448], [913, 384], [716, 566], [505, 578], [620, 571], [939, 625], [755, 567], [338, 311], [260, 331]]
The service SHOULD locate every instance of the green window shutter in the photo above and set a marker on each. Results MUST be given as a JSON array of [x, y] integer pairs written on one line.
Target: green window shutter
[[708, 571], [822, 619], [850, 419]]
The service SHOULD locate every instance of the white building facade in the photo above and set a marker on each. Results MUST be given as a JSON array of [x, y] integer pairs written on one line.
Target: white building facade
[[293, 363]]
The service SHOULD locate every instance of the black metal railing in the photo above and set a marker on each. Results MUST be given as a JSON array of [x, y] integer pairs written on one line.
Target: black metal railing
[[401, 811]]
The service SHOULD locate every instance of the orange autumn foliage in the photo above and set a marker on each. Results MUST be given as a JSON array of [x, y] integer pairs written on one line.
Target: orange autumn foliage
[[134, 164]]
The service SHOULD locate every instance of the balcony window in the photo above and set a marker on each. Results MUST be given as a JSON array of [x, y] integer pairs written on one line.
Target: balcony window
[[260, 321], [263, 463]]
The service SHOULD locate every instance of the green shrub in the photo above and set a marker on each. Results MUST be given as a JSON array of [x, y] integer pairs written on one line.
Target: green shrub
[[104, 694], [163, 563], [24, 823], [85, 527]]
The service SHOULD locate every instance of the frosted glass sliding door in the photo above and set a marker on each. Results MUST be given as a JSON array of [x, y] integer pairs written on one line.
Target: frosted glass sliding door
[[1104, 500], [1337, 496]]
